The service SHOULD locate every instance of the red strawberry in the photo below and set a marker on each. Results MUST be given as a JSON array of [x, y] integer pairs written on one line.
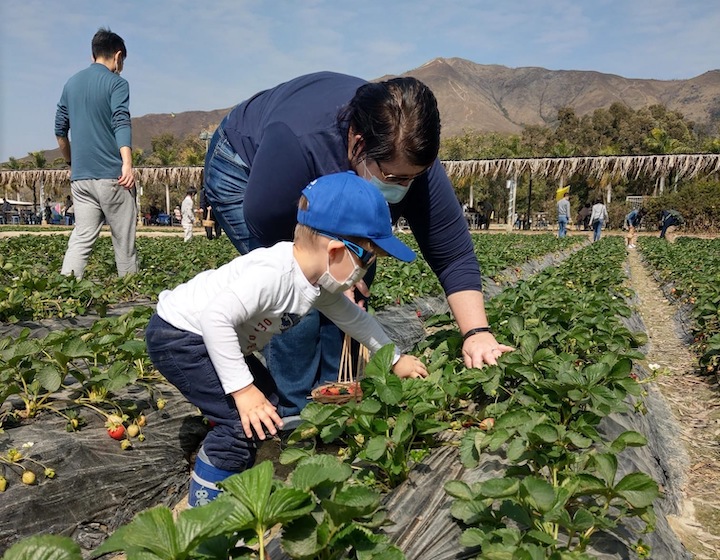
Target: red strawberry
[[116, 432]]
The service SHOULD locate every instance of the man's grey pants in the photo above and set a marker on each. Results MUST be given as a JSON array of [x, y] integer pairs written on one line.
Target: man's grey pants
[[99, 201]]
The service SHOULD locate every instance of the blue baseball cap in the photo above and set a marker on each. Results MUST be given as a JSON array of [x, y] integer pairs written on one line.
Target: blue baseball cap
[[346, 205]]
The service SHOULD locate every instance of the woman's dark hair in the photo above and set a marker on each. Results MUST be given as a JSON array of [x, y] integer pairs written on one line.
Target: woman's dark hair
[[105, 44], [598, 201], [398, 117]]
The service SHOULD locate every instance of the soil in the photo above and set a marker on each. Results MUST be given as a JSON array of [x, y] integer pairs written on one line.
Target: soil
[[695, 402]]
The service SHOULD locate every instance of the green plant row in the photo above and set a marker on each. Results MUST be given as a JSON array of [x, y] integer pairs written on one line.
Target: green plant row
[[692, 267], [572, 368], [31, 286], [324, 514], [397, 283]]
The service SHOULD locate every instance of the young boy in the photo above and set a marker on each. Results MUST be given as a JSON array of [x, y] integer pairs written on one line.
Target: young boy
[[204, 332]]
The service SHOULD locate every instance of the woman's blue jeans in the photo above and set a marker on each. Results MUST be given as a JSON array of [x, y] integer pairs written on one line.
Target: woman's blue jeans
[[301, 357], [182, 358], [597, 229]]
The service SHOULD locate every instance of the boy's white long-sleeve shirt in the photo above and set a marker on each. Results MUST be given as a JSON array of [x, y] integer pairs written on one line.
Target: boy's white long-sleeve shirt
[[238, 307], [188, 217]]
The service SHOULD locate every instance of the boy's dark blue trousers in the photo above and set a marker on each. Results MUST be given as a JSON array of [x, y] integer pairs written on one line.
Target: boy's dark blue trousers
[[182, 358]]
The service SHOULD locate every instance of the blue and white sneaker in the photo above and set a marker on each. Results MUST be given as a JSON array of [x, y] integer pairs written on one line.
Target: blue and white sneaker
[[202, 481]]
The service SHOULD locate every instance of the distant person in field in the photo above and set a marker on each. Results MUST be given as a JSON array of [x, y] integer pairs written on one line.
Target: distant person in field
[[94, 110], [632, 222], [204, 333], [69, 211], [598, 218], [187, 213], [563, 214], [6, 211], [583, 217], [668, 219]]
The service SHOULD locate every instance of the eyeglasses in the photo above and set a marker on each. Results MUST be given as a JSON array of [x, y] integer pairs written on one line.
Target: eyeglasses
[[399, 179], [366, 257]]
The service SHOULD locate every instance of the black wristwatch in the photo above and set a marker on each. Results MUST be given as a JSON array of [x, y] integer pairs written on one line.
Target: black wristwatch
[[475, 331]]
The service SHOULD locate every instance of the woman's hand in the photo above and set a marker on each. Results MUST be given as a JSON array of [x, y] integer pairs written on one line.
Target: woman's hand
[[482, 348], [409, 366], [256, 412]]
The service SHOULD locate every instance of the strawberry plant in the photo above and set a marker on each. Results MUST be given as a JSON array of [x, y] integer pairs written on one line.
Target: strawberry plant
[[393, 425], [346, 516], [323, 517], [89, 365], [16, 460], [44, 547]]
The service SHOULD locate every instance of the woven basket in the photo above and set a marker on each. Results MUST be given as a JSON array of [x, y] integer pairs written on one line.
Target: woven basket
[[347, 387], [209, 222]]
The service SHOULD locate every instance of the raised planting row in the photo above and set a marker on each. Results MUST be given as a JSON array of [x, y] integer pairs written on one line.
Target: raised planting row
[[31, 286], [541, 410], [689, 270], [397, 283]]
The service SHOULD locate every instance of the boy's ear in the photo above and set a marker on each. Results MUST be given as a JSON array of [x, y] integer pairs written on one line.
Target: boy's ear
[[336, 250]]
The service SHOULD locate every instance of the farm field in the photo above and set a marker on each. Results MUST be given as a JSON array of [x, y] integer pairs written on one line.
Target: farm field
[[72, 356]]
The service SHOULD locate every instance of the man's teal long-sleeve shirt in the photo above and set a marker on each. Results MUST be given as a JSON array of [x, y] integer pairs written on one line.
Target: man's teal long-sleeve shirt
[[95, 106]]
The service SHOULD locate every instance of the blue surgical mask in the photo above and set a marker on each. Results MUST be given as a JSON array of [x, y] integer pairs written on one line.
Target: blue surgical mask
[[391, 192]]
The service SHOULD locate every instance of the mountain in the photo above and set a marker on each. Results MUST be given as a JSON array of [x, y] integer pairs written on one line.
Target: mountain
[[494, 98], [497, 98]]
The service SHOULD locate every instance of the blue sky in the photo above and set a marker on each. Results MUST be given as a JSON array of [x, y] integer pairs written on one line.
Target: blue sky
[[192, 55]]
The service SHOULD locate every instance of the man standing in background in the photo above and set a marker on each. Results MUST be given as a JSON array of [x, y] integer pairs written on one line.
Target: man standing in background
[[95, 106], [563, 211]]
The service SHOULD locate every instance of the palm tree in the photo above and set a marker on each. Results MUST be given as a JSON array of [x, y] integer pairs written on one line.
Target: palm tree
[[14, 164], [39, 161], [660, 142]]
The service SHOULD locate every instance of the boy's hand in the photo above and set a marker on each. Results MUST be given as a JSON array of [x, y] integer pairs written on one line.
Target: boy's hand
[[409, 366], [256, 412]]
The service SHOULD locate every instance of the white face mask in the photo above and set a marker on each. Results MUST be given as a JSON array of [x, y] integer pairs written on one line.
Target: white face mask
[[391, 192], [329, 283]]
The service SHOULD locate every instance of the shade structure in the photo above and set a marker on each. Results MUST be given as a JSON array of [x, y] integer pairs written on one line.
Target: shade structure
[[560, 193]]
